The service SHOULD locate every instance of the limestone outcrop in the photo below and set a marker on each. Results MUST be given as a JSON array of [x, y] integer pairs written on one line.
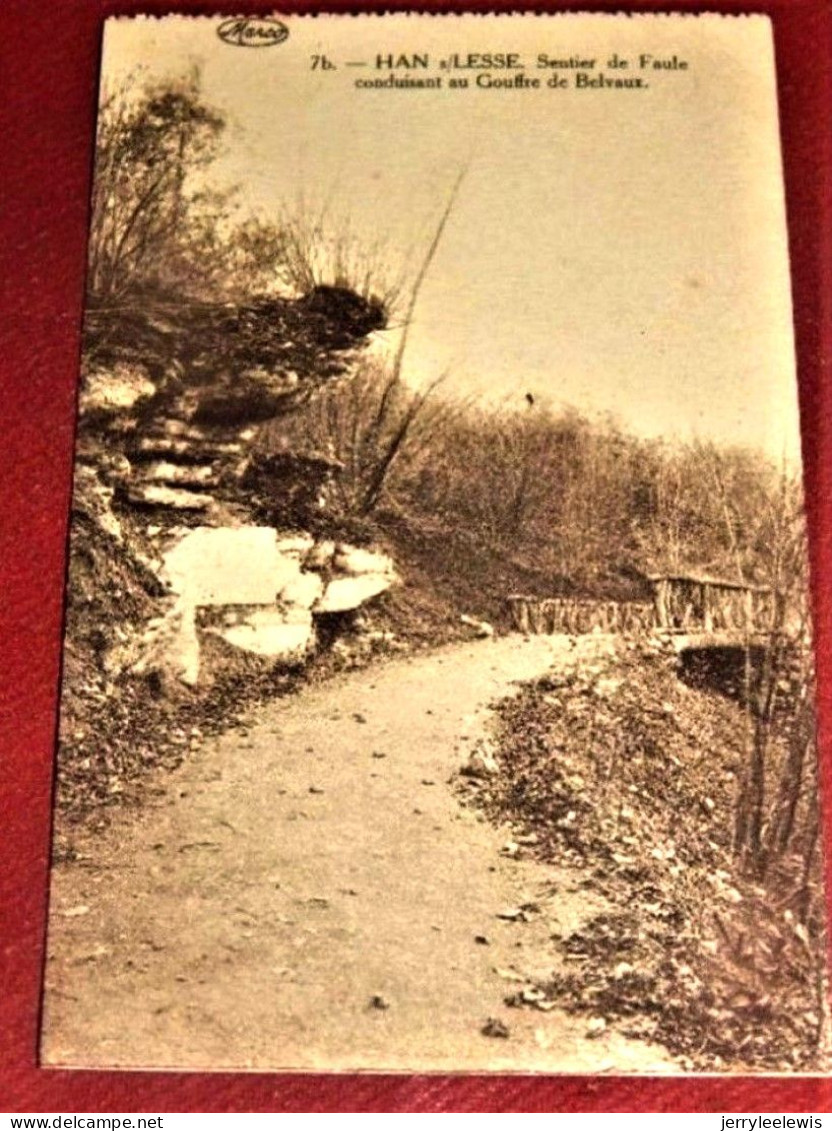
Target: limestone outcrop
[[201, 546], [108, 392], [266, 589], [179, 388], [345, 593], [172, 397]]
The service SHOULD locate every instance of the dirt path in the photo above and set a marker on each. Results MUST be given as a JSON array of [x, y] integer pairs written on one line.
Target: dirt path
[[292, 872]]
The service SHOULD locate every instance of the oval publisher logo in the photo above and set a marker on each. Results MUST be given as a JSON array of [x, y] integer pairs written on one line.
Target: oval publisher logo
[[253, 31]]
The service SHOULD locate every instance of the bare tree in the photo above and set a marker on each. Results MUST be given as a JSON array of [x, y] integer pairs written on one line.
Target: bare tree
[[321, 248], [777, 688], [370, 421], [149, 145]]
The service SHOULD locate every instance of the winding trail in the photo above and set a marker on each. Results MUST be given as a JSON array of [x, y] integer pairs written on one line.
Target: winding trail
[[296, 869]]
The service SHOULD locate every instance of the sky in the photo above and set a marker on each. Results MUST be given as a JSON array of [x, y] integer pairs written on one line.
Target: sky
[[622, 251]]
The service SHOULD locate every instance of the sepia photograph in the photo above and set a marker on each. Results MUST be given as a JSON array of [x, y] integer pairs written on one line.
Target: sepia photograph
[[437, 680]]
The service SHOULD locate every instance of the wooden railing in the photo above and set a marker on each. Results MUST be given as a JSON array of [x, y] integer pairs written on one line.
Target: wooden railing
[[697, 603], [681, 603], [574, 616]]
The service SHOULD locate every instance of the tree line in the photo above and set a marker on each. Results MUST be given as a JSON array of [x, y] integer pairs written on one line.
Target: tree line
[[591, 504]]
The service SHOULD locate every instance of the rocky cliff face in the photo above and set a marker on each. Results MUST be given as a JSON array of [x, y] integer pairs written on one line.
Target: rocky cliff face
[[258, 589], [171, 394], [184, 599], [170, 402]]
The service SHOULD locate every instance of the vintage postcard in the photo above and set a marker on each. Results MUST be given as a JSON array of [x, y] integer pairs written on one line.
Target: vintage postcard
[[437, 684]]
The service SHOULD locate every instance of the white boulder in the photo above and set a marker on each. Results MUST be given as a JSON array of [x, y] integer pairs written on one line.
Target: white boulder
[[345, 593], [356, 562], [303, 590], [115, 389], [267, 632], [239, 565]]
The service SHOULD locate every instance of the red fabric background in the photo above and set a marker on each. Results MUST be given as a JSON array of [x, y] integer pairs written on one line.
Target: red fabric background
[[49, 61]]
